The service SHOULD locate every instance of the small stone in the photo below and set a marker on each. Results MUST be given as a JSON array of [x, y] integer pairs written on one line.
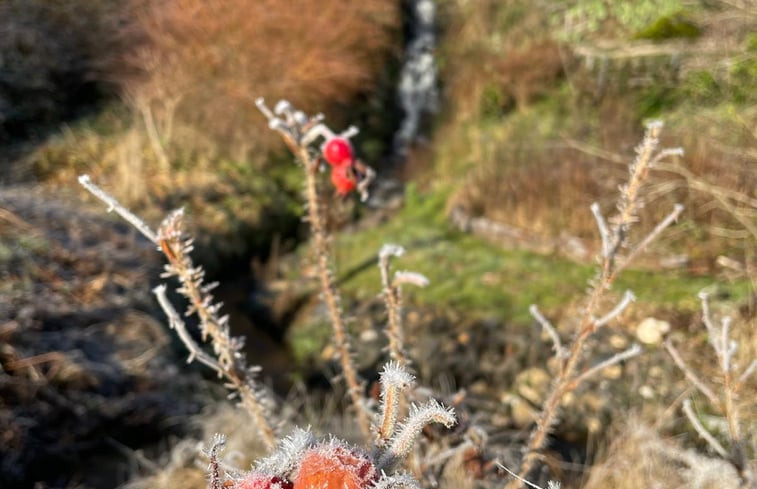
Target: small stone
[[522, 413], [568, 399], [532, 384], [650, 331], [593, 401], [480, 387], [613, 372], [554, 364], [368, 335], [646, 392], [619, 342]]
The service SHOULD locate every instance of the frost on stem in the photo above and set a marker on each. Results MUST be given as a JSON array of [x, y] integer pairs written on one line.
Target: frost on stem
[[288, 453], [229, 361], [404, 438], [392, 294], [299, 132], [214, 467], [394, 380], [726, 403], [403, 481], [550, 484], [613, 235]]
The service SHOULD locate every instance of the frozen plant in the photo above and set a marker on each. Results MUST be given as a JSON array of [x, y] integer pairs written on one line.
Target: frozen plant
[[572, 369], [348, 174], [303, 462], [392, 294], [732, 383], [229, 361]]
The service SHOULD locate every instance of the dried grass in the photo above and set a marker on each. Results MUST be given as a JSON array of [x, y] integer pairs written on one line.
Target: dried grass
[[639, 457], [201, 64]]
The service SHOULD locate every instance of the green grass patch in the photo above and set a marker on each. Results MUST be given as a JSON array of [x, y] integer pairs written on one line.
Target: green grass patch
[[482, 280]]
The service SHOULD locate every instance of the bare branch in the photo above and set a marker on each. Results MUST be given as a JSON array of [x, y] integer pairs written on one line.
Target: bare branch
[[402, 277], [176, 323], [551, 484], [700, 429], [746, 374], [641, 247], [557, 347], [114, 205], [604, 231], [627, 299], [631, 352], [690, 374]]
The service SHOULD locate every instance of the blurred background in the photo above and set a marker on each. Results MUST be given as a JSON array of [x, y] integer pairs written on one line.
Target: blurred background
[[492, 124]]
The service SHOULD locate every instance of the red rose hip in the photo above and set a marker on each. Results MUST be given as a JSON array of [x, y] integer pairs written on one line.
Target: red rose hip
[[343, 178], [338, 151], [335, 467]]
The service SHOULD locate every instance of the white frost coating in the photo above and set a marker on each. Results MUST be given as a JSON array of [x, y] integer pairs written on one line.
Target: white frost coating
[[396, 481], [413, 278], [396, 376], [420, 416], [287, 455], [390, 249]]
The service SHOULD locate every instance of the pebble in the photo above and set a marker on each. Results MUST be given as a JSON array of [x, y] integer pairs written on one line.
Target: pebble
[[619, 342], [646, 392], [613, 372], [532, 384], [650, 331]]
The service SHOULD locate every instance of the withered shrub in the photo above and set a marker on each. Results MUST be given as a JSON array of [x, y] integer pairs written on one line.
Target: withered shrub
[[198, 66]]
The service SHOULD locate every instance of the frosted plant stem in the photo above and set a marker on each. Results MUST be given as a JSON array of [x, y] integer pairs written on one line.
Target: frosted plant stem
[[551, 331], [693, 378], [393, 299], [298, 132], [114, 205], [176, 323], [330, 294], [613, 238], [702, 431], [230, 363]]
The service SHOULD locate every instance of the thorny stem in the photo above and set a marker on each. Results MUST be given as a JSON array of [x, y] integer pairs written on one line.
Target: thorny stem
[[230, 362], [612, 243], [394, 379], [330, 294], [297, 132], [393, 298], [225, 347], [724, 350]]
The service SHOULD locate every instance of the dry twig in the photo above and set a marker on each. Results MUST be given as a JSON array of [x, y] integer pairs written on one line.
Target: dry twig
[[614, 237]]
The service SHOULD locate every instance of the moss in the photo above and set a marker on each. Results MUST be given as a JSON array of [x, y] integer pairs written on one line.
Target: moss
[[677, 25], [743, 78], [700, 86]]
